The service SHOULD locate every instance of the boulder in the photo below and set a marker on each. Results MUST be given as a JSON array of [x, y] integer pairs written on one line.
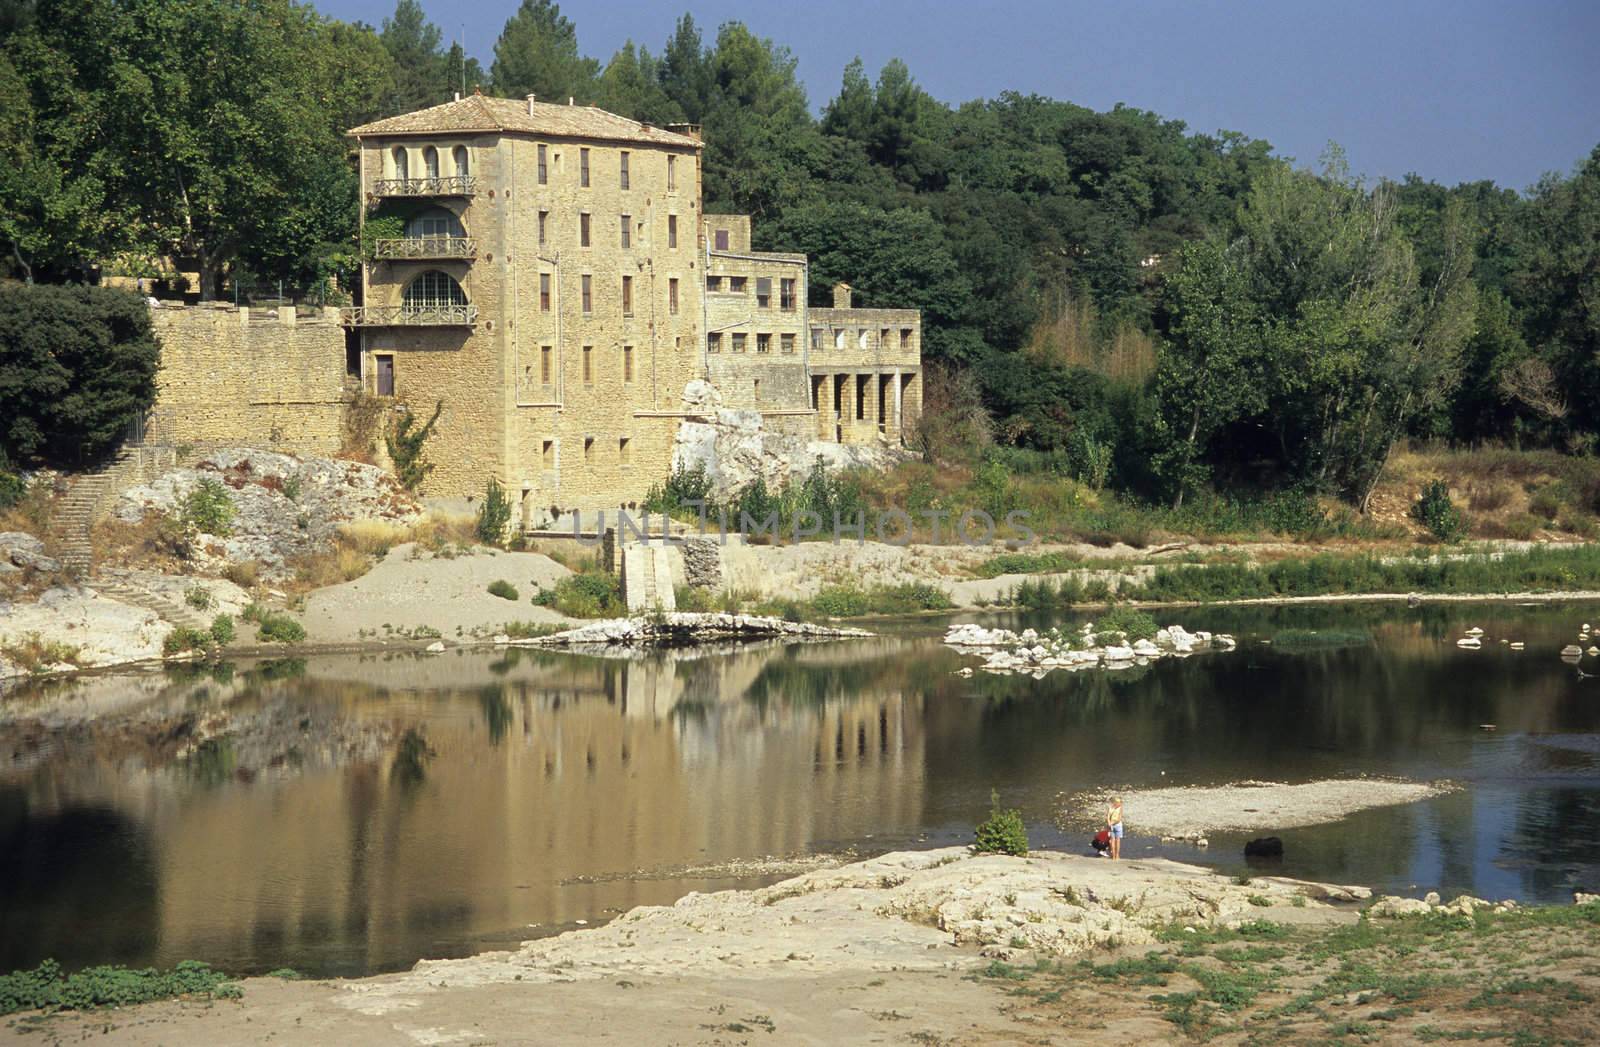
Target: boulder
[[1389, 907], [1266, 847]]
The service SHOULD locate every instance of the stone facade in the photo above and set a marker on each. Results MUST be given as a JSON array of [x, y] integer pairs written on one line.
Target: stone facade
[[545, 273], [259, 378]]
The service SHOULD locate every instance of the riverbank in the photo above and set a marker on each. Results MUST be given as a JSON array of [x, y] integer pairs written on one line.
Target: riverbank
[[944, 947]]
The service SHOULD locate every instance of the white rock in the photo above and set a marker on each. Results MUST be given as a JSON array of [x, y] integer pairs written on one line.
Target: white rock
[[435, 647]]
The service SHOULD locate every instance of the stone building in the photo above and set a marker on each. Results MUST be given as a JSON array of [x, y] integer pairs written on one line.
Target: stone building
[[544, 272]]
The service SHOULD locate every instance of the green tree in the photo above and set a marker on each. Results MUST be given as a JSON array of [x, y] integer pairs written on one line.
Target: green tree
[[631, 86], [77, 364], [1209, 374], [537, 53]]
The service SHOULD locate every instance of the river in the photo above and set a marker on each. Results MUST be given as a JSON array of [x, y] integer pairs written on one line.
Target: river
[[404, 806]]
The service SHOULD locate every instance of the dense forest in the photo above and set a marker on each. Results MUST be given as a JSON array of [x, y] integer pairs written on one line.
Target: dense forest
[[1135, 304]]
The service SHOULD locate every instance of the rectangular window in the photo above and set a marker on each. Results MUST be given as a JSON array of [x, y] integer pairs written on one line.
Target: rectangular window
[[588, 449], [627, 363], [819, 339], [583, 168], [883, 340], [763, 291], [738, 342], [544, 292], [627, 296], [544, 223], [713, 284], [547, 454], [672, 231], [583, 229], [786, 342], [672, 296], [544, 167], [736, 284], [624, 450], [763, 343], [623, 173], [722, 240], [714, 342], [905, 339], [588, 365], [786, 295], [385, 375], [672, 174], [546, 363], [627, 231], [588, 295]]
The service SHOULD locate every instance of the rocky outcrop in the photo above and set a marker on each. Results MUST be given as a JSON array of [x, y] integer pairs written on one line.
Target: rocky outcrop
[[684, 627], [20, 551], [284, 506], [1035, 653], [735, 448], [79, 621]]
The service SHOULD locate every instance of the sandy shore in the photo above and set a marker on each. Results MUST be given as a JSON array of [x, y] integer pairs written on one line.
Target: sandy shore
[[875, 951], [1191, 812]]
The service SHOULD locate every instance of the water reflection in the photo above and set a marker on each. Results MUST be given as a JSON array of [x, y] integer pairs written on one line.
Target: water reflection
[[377, 809]]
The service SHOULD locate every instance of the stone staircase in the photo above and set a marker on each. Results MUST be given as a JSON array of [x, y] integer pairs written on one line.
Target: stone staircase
[[120, 587], [74, 519], [647, 579]]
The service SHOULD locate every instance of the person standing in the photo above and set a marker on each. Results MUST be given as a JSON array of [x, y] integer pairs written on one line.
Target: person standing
[[1114, 826]]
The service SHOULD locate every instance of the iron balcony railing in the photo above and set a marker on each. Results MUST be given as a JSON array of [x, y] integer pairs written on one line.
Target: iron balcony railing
[[410, 316], [454, 185], [426, 247]]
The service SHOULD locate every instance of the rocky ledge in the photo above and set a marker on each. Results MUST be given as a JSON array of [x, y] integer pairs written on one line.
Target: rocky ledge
[[1005, 652], [684, 628]]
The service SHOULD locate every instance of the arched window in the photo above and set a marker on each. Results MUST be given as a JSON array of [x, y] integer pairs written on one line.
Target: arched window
[[861, 339], [432, 290], [459, 156], [434, 222], [401, 166], [430, 162]]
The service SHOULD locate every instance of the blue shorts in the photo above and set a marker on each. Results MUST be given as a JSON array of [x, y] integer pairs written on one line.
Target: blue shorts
[[1116, 830]]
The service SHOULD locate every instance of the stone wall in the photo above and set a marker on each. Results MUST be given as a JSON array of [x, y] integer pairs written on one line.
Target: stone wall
[[262, 378]]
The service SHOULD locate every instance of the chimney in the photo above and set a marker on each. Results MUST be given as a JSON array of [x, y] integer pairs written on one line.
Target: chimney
[[458, 96], [530, 104], [841, 296], [571, 100]]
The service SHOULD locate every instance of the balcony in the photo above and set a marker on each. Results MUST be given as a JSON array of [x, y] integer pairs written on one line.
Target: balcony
[[409, 316], [455, 185], [420, 247]]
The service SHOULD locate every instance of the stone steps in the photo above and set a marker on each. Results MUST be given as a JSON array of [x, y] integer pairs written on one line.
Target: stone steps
[[126, 592]]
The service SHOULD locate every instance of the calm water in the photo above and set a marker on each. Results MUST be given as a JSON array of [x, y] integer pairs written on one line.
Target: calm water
[[556, 788]]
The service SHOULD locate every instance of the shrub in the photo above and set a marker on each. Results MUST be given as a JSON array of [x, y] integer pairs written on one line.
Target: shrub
[[405, 440], [208, 509], [1546, 501], [1435, 511], [1090, 459], [504, 589], [591, 595], [275, 627], [494, 515], [222, 628], [183, 639], [1002, 832], [198, 597], [1132, 624], [77, 364], [683, 487], [36, 654], [12, 486], [1485, 498], [243, 574], [47, 988]]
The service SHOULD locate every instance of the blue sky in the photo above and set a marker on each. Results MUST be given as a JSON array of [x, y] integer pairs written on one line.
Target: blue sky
[[1454, 91]]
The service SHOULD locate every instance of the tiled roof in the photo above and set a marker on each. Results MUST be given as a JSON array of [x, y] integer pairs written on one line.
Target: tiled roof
[[482, 113]]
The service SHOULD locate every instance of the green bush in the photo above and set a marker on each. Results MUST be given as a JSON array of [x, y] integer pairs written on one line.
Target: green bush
[[592, 595], [683, 487], [198, 597], [77, 364], [404, 440], [1132, 624], [47, 988], [274, 627], [1435, 511], [12, 486], [183, 638], [222, 629], [1002, 832], [494, 515], [504, 589], [208, 509]]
